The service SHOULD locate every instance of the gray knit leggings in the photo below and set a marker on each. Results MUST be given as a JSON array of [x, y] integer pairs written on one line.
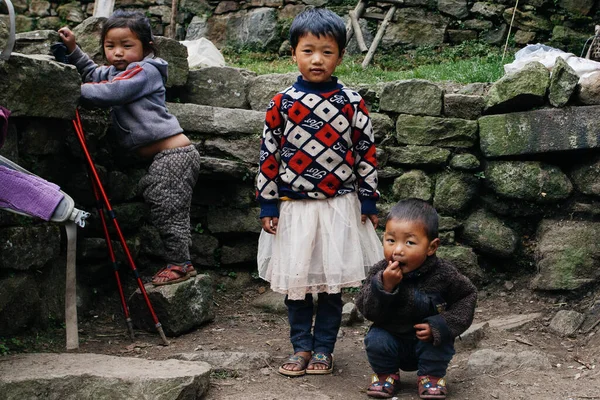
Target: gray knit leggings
[[167, 188]]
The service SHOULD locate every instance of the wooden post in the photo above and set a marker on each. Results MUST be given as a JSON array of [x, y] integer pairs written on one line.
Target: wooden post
[[378, 36], [173, 23], [103, 8], [359, 36], [358, 11]]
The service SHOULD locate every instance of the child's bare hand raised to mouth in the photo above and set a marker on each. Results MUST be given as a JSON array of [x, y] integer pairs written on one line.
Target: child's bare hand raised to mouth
[[392, 276]]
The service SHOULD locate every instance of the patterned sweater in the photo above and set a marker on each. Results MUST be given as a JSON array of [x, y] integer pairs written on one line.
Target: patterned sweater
[[435, 293], [317, 143]]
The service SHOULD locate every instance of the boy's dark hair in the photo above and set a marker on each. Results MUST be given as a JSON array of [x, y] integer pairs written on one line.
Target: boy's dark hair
[[319, 22], [137, 23], [416, 210]]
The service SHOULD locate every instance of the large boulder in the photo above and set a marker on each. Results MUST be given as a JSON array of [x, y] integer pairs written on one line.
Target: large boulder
[[418, 156], [38, 86], [218, 87], [413, 96], [520, 90], [539, 131], [567, 255], [208, 120], [528, 180], [454, 191], [414, 183], [489, 235], [180, 307], [562, 83], [86, 376], [415, 27], [434, 131], [176, 54]]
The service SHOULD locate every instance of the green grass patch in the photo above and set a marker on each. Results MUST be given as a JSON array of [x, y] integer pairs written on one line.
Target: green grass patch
[[468, 62]]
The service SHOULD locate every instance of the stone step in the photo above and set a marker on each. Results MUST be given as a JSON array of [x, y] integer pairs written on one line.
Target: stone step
[[95, 376]]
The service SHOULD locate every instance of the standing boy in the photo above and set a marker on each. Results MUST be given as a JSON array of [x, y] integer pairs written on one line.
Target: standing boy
[[418, 304]]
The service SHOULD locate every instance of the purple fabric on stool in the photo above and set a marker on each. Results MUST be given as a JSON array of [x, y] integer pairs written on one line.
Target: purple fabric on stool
[[29, 194], [4, 114]]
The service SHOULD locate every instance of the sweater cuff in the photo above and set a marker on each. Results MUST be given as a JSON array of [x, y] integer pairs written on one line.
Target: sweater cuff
[[377, 287], [439, 329], [368, 206], [269, 210]]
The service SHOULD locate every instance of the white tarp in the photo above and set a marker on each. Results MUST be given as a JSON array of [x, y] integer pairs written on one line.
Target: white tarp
[[547, 55], [202, 53]]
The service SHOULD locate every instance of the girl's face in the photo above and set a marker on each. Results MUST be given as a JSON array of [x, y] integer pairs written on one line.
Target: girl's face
[[317, 57], [122, 47]]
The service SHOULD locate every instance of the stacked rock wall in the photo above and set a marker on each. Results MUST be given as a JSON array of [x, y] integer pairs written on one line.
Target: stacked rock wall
[[513, 168], [262, 24]]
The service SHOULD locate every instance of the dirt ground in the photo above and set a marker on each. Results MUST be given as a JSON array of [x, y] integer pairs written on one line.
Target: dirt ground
[[240, 327]]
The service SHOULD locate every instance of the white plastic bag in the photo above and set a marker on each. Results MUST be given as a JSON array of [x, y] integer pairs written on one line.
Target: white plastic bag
[[547, 56], [202, 53]]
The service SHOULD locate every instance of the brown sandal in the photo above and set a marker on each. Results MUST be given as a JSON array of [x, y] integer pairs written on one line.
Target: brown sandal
[[431, 387], [294, 360], [323, 359], [173, 274], [383, 386]]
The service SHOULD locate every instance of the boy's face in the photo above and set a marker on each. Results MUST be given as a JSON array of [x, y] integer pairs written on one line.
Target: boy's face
[[317, 57], [407, 242]]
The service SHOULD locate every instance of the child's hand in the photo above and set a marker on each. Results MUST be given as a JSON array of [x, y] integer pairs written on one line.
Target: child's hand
[[372, 217], [424, 332], [269, 224], [392, 276], [68, 38]]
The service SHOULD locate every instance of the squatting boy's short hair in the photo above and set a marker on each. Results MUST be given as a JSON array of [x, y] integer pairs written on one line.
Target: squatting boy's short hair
[[319, 22], [137, 22], [416, 210]]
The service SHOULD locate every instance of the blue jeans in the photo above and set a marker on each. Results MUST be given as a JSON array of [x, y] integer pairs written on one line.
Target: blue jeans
[[388, 353], [327, 322]]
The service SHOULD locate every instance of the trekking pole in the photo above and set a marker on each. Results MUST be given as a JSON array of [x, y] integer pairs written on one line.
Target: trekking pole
[[111, 254], [96, 179]]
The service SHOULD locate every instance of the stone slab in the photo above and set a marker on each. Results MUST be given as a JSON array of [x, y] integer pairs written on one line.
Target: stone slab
[[96, 376], [540, 131]]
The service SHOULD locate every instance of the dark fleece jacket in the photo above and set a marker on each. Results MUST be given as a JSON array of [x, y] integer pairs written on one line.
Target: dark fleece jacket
[[435, 293]]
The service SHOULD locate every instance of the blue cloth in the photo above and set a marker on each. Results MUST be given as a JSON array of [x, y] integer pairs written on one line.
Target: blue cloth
[[388, 353], [327, 322]]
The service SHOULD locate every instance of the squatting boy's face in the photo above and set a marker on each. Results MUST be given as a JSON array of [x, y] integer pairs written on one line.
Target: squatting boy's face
[[407, 242], [317, 57]]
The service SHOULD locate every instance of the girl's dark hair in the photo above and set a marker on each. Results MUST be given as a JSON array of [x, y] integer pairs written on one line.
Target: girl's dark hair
[[416, 210], [137, 23], [318, 21]]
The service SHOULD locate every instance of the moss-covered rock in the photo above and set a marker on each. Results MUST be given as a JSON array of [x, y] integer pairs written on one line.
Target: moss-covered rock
[[464, 259], [414, 183], [29, 247], [586, 177], [568, 255], [528, 180], [540, 131], [434, 131], [562, 83], [417, 156], [413, 96], [521, 90], [454, 191], [465, 161], [488, 234]]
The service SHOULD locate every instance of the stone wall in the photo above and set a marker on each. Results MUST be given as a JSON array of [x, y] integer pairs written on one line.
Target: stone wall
[[263, 24], [513, 168]]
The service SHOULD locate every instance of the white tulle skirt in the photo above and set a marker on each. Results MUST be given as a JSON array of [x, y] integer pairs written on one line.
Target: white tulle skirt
[[320, 246]]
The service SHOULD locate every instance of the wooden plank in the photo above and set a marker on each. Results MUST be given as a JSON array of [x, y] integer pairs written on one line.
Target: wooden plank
[[71, 288], [377, 16], [378, 36], [359, 36], [103, 8], [358, 11]]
